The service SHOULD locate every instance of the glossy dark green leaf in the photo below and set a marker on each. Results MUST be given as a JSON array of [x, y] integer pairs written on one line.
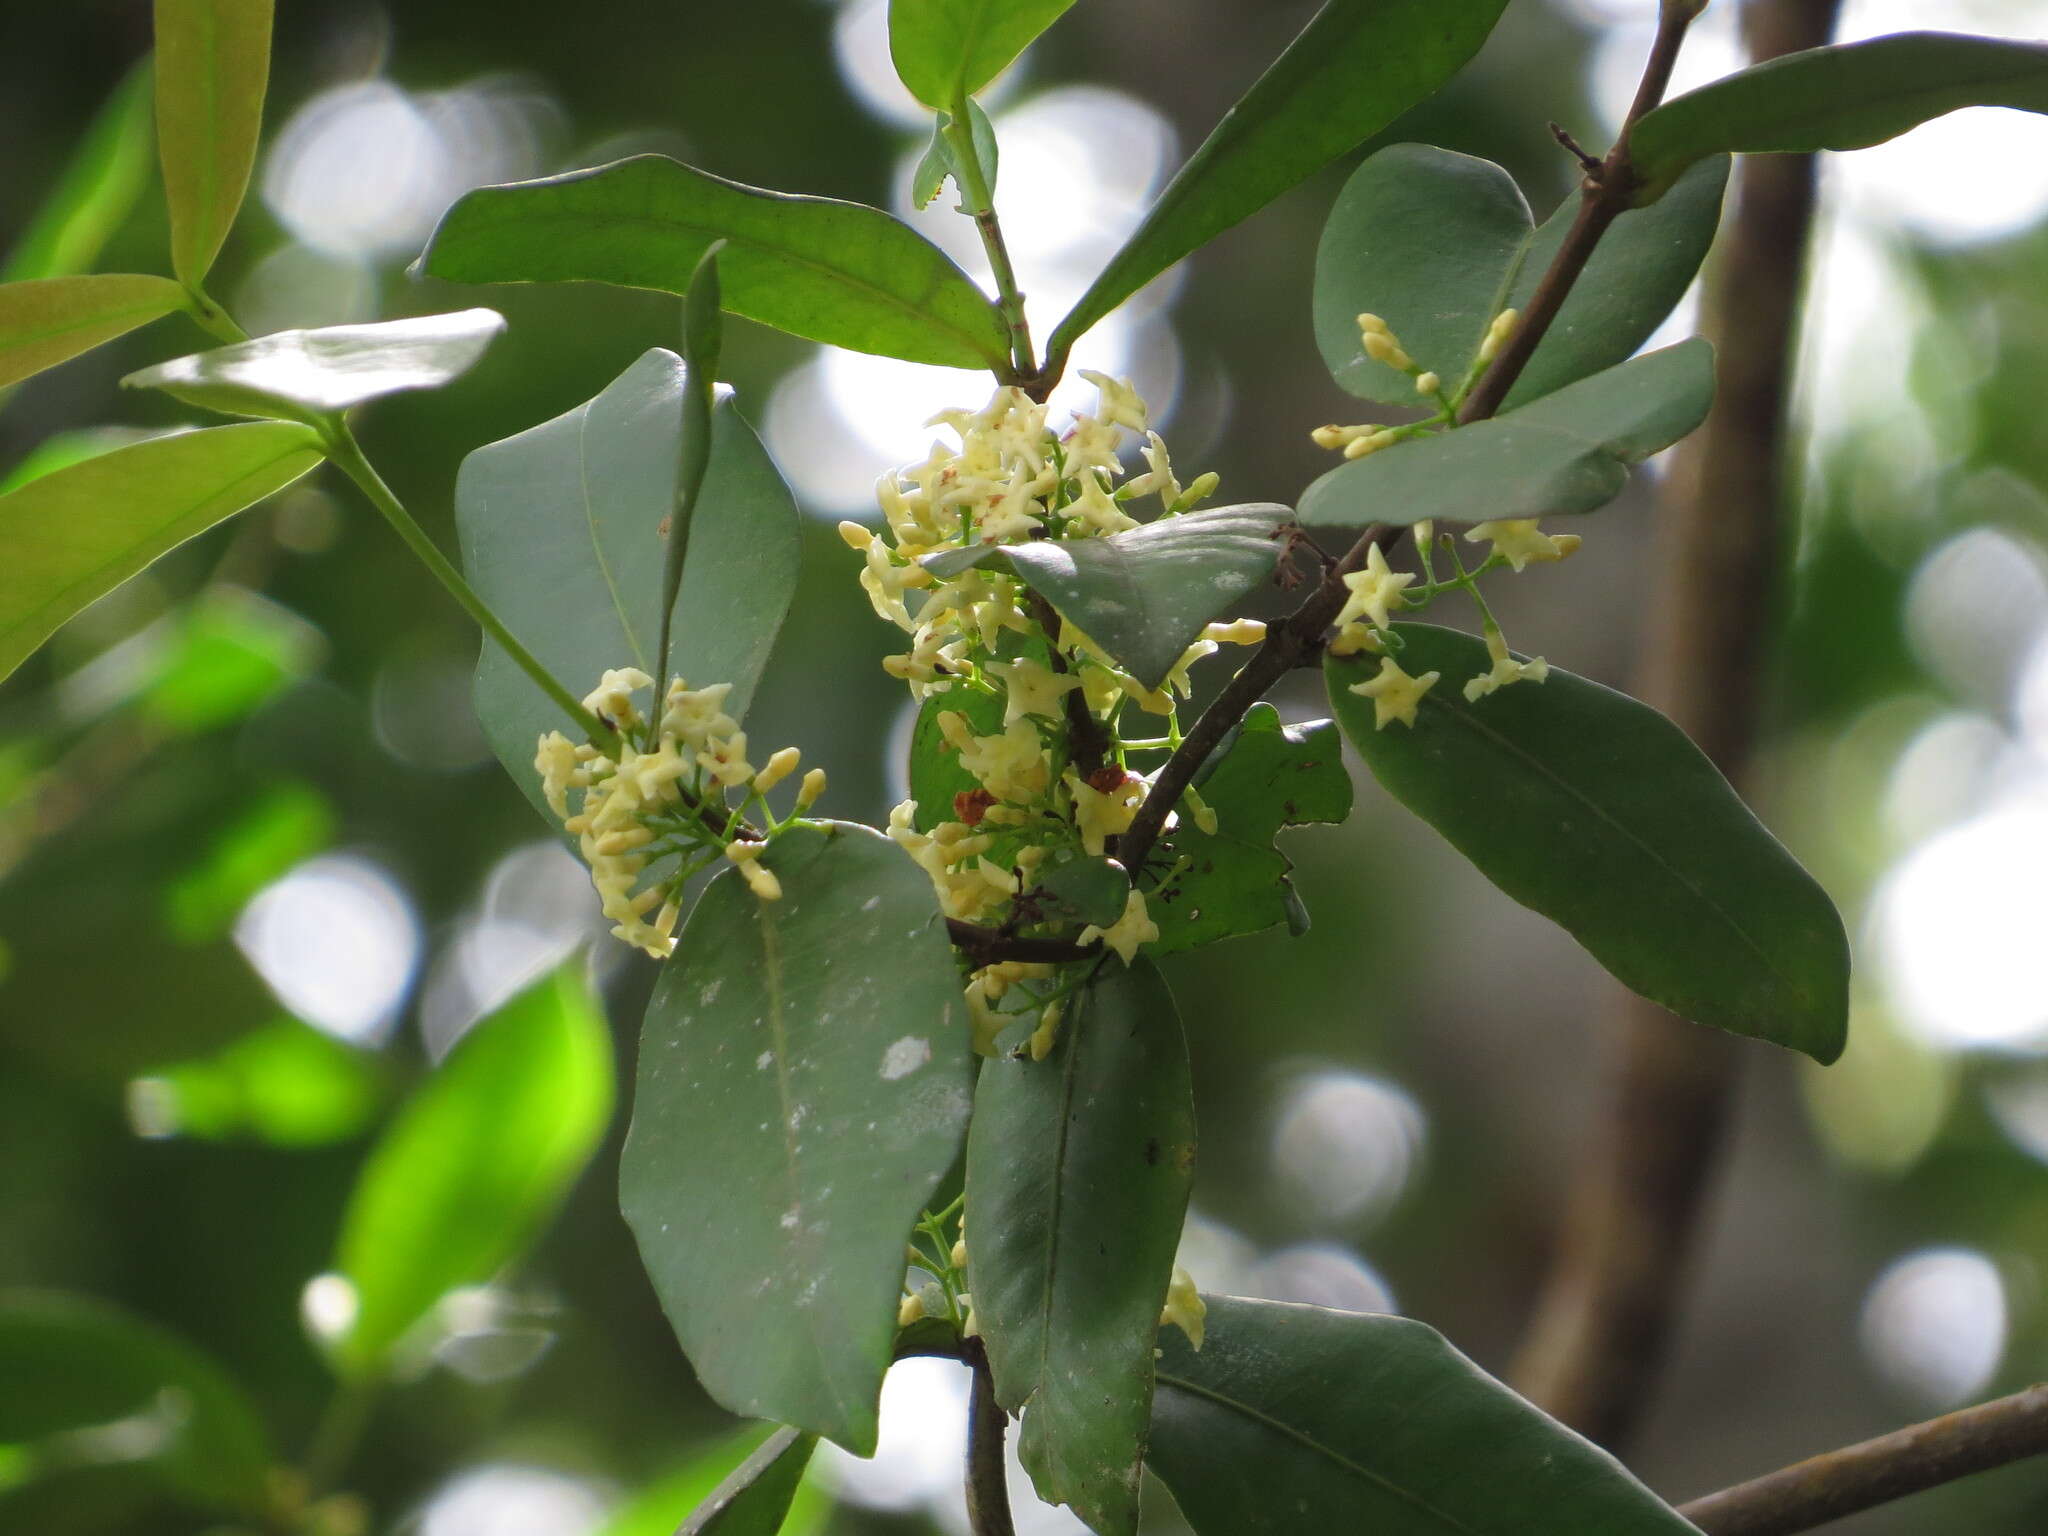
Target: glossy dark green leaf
[[939, 162], [1078, 1172], [934, 767], [662, 1507], [561, 532], [475, 1163], [802, 1090], [1600, 814], [51, 319], [1357, 66], [755, 1498], [1234, 881], [1567, 452], [70, 1363], [95, 192], [212, 68], [77, 533], [1846, 97], [1437, 244], [286, 1084], [1085, 890], [1296, 1421], [836, 272], [302, 375], [946, 50]]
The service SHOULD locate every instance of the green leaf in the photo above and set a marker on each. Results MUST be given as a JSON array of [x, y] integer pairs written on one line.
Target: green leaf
[[1078, 1172], [285, 1084], [71, 1364], [1567, 452], [304, 375], [96, 190], [782, 1036], [938, 161], [662, 1506], [212, 66], [234, 652], [1295, 1421], [270, 833], [703, 340], [1599, 813], [77, 533], [1846, 97], [835, 272], [50, 320], [1437, 244], [946, 50], [754, 1500], [935, 772], [475, 1163], [1087, 890], [1357, 66], [561, 532], [1234, 881]]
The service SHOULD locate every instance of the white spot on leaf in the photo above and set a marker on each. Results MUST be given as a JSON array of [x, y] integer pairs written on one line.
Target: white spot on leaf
[[905, 1057]]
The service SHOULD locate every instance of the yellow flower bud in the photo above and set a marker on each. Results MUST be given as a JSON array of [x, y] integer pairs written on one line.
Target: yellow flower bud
[[813, 786], [855, 535], [762, 882], [909, 1310], [1427, 384], [958, 1257], [742, 852], [779, 767]]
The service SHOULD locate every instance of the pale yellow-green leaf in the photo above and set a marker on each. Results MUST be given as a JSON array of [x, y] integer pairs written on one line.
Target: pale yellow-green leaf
[[50, 320], [212, 66]]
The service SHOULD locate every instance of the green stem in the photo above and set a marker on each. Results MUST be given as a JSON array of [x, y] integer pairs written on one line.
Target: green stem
[[979, 201], [338, 1434], [210, 316]]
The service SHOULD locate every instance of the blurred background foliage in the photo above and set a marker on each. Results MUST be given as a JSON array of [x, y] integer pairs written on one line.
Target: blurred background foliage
[[257, 871]]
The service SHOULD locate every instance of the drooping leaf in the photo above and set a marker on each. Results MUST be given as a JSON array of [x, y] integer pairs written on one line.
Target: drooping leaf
[[1845, 97], [51, 319], [835, 272], [946, 50], [77, 533], [1078, 1172], [1437, 244], [1357, 66], [70, 1363], [561, 532], [703, 340], [475, 1163], [782, 1035], [1598, 813], [1567, 452], [1296, 1421], [1234, 881], [664, 1505], [936, 776], [286, 1084], [939, 160], [212, 67], [754, 1499], [302, 375], [95, 192]]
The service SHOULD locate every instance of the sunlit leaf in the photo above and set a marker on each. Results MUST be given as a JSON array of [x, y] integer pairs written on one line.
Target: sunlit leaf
[[939, 162], [1296, 1421], [782, 1035], [1357, 66], [836, 272], [753, 1500], [300, 375], [61, 450], [475, 1162], [212, 67], [1597, 812], [1567, 452], [946, 50], [661, 1508], [274, 831], [76, 534], [233, 652], [1078, 1172], [52, 319], [96, 190], [286, 1084]]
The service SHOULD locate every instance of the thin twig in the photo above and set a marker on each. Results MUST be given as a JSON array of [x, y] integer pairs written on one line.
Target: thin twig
[[988, 1480]]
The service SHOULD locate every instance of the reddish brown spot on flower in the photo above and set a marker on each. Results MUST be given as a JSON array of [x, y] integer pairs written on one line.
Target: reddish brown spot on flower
[[1106, 778], [970, 805]]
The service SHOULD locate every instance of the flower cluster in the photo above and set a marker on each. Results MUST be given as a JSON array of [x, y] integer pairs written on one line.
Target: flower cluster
[[658, 811]]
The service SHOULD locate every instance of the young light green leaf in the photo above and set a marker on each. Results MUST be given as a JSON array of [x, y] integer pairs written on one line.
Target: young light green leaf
[[96, 190], [756, 1497], [1598, 813], [1078, 1172], [946, 50], [1567, 452], [286, 1084], [305, 375], [1846, 97], [781, 1034], [703, 340], [49, 320], [1233, 880], [75, 1364], [78, 533], [1357, 66], [1296, 1421], [475, 1163], [212, 67], [663, 1506], [835, 272], [939, 162], [560, 530], [935, 774]]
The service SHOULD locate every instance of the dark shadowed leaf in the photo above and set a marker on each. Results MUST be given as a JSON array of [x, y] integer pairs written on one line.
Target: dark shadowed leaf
[[1086, 890], [212, 67], [96, 190], [51, 319], [946, 50], [754, 1499], [662, 1507]]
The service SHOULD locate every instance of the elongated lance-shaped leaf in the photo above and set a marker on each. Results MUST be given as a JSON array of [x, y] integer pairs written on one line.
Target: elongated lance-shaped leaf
[[703, 340], [1845, 97], [756, 1497], [561, 533], [1567, 452], [803, 1089], [475, 1163], [1357, 66], [1296, 1421], [96, 190], [698, 1486], [945, 50], [77, 533], [836, 272], [1078, 1172], [212, 68], [1597, 812], [50, 320]]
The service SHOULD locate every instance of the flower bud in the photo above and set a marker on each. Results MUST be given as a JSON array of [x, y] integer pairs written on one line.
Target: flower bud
[[779, 767], [855, 535], [1427, 384], [813, 786]]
